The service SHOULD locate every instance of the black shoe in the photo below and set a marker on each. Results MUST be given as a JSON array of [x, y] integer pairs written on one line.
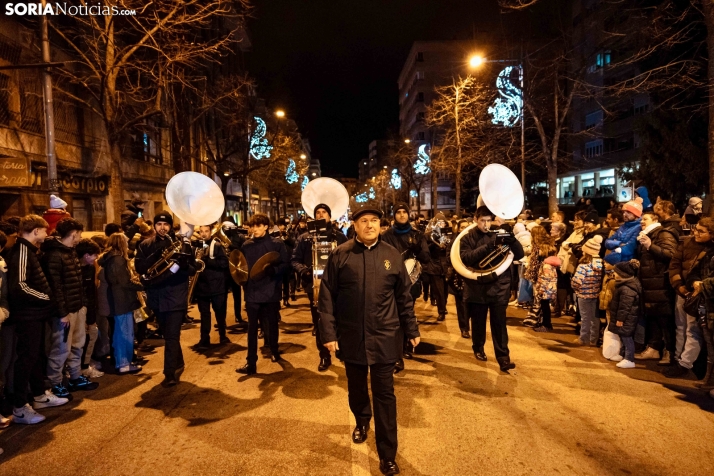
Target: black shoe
[[169, 382], [675, 371], [359, 435], [286, 303], [292, 297], [203, 345], [247, 369], [275, 358], [241, 323], [260, 334], [506, 366], [426, 297], [433, 302], [225, 340], [324, 364], [465, 334], [82, 383], [60, 391], [399, 366], [314, 330], [481, 355], [388, 467], [441, 317], [177, 373]]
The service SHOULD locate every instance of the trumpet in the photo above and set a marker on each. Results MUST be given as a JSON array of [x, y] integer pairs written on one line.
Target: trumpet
[[164, 263]]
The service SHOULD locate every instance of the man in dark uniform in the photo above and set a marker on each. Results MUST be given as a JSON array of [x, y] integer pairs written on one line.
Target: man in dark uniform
[[237, 237], [488, 293], [289, 277], [436, 269], [211, 287], [302, 264], [412, 244], [365, 310], [167, 296], [262, 296]]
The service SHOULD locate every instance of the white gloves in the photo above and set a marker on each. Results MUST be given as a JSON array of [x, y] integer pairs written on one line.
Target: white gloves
[[174, 268]]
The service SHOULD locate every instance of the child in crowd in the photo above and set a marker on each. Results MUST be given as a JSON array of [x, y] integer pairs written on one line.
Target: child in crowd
[[546, 287], [625, 309], [539, 238], [587, 284], [88, 252]]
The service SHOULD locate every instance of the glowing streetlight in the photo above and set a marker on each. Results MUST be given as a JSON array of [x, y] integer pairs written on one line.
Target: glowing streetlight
[[303, 156], [406, 141], [476, 61], [280, 113]]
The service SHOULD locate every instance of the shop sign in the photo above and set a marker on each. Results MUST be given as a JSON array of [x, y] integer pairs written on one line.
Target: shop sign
[[14, 172], [98, 185]]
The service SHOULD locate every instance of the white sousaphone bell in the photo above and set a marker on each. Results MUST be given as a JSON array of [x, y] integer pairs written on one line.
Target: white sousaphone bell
[[501, 192], [195, 199], [333, 194]]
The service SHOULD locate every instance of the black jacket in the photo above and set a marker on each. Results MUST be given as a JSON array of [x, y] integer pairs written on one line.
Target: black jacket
[[301, 259], [672, 224], [269, 288], [89, 284], [410, 243], [29, 292], [475, 246], [171, 292], [653, 276], [121, 291], [625, 307], [604, 232], [213, 280], [64, 275], [365, 303]]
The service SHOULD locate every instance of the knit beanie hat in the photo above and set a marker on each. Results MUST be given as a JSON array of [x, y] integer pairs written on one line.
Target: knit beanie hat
[[324, 207], [692, 201], [164, 217], [401, 206], [627, 269], [634, 207], [56, 202], [592, 246]]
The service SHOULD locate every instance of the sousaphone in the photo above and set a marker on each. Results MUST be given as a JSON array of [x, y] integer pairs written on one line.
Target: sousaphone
[[333, 194], [501, 192]]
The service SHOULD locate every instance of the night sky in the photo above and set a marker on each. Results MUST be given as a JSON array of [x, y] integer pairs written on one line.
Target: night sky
[[333, 65]]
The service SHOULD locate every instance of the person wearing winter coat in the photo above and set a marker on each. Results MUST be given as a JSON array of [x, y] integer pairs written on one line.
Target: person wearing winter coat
[[625, 310], [608, 288], [689, 338], [88, 252], [668, 217], [55, 213], [525, 287], [540, 239], [30, 308], [68, 326], [623, 243], [586, 283], [546, 286], [656, 247], [565, 253], [435, 269], [693, 212], [456, 287], [122, 299], [702, 279]]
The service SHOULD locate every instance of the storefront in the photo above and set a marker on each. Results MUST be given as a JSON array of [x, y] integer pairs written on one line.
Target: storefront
[[592, 183]]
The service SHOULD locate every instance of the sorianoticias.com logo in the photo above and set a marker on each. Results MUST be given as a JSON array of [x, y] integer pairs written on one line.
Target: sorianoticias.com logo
[[62, 8]]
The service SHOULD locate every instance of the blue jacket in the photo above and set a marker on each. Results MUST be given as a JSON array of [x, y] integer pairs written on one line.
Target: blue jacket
[[269, 288], [644, 194], [625, 238]]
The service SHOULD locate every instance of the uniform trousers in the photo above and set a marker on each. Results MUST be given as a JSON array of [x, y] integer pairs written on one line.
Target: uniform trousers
[[267, 313], [324, 353], [28, 366], [461, 314], [499, 333], [438, 293], [219, 302], [170, 323], [385, 403], [236, 290]]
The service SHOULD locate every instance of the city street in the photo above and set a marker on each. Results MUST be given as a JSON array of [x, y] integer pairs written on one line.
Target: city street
[[564, 410]]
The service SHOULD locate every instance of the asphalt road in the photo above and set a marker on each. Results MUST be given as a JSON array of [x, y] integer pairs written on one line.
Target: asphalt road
[[563, 410]]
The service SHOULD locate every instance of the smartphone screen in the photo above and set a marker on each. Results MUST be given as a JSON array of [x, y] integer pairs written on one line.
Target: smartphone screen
[[140, 214]]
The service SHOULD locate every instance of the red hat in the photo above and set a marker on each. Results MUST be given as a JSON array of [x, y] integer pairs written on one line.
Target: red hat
[[634, 207]]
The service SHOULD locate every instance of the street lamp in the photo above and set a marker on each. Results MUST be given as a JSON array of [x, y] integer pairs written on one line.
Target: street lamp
[[303, 156], [407, 141], [280, 113], [476, 61]]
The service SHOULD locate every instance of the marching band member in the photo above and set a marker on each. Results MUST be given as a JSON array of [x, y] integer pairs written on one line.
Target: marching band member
[[212, 287], [482, 298], [168, 295], [262, 295], [302, 264], [237, 239], [365, 310]]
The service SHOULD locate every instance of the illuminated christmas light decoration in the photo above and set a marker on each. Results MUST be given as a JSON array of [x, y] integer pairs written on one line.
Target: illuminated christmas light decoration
[[413, 193], [361, 198], [291, 176], [305, 181], [372, 195], [421, 166], [259, 147], [506, 111], [396, 180]]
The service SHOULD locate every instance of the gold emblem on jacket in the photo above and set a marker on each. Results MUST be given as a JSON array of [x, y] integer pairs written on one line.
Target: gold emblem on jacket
[[387, 265]]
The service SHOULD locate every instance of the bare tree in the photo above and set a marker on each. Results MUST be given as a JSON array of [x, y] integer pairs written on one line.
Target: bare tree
[[126, 65]]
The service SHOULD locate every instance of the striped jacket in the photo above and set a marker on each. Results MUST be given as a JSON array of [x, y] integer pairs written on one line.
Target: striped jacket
[[587, 280], [29, 292]]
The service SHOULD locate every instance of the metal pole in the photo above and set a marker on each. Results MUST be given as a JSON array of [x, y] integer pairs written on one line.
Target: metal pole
[[53, 183], [523, 126]]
